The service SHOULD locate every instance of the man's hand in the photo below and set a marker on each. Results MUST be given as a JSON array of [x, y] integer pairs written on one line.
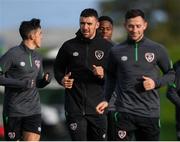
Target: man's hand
[[99, 71], [67, 82], [30, 84], [148, 83], [101, 107], [47, 77]]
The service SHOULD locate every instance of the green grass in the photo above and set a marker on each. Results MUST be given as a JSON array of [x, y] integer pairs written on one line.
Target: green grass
[[167, 117], [174, 53]]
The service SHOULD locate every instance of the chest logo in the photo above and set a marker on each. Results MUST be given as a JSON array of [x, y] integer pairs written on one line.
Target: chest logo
[[37, 63], [11, 135], [75, 54], [99, 54], [73, 126], [124, 58], [22, 64], [121, 134], [149, 57]]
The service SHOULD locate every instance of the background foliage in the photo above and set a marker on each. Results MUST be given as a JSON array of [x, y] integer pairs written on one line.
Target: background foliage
[[164, 27]]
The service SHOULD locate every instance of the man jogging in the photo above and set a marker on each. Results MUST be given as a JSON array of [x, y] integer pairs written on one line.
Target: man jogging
[[106, 30], [134, 76], [79, 67], [21, 73]]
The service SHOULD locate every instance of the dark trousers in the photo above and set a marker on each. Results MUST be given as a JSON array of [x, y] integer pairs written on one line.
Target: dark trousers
[[15, 126], [87, 127], [111, 131], [133, 127]]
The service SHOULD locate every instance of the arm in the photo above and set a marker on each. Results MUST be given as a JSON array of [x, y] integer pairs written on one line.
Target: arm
[[60, 64], [6, 63], [165, 65], [174, 90], [110, 82], [110, 77], [14, 83]]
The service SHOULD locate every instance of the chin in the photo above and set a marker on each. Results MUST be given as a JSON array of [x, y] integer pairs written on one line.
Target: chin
[[86, 36], [38, 46]]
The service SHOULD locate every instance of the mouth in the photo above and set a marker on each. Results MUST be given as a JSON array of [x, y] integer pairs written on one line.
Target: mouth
[[84, 32]]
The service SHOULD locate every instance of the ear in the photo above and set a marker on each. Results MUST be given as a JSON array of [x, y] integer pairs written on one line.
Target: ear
[[145, 25], [97, 25], [31, 36]]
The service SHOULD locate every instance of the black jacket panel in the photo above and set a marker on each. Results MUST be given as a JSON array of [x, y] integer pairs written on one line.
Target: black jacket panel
[[78, 56]]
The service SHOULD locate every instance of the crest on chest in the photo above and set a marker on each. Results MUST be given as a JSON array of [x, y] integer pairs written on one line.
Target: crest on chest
[[99, 54], [37, 63], [149, 57]]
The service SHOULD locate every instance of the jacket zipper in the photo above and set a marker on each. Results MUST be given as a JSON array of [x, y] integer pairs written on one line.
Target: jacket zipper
[[84, 98], [87, 52], [136, 52], [30, 59]]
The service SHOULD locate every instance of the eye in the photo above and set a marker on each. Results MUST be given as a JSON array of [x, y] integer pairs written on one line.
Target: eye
[[130, 26], [139, 26]]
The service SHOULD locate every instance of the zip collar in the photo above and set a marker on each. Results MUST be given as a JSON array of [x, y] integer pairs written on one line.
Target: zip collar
[[80, 36], [25, 48], [130, 41]]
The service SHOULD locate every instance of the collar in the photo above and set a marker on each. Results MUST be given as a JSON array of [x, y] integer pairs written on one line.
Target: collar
[[25, 48], [81, 37], [130, 41]]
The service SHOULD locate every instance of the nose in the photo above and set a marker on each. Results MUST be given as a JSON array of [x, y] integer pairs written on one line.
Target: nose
[[85, 26], [134, 29]]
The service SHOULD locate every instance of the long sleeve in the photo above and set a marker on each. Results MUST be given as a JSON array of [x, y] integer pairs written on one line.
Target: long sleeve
[[60, 64], [6, 62], [14, 83], [173, 93], [110, 79], [166, 67]]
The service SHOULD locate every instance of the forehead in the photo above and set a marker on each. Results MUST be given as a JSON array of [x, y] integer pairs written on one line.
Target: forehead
[[135, 20], [88, 19], [105, 23]]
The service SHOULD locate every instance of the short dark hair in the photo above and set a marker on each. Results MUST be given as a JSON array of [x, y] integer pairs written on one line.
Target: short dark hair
[[132, 13], [27, 26], [89, 12], [106, 18]]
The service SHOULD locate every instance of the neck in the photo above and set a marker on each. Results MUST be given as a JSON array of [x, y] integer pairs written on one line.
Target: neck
[[29, 44], [139, 38]]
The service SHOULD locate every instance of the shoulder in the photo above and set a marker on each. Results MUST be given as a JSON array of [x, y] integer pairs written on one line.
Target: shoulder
[[109, 43], [69, 43], [153, 44], [120, 46], [13, 51]]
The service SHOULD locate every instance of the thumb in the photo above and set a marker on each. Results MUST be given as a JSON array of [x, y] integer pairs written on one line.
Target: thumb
[[94, 66], [68, 75], [145, 78]]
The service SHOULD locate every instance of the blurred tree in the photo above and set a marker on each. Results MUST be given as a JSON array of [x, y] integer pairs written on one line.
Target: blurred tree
[[163, 17]]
